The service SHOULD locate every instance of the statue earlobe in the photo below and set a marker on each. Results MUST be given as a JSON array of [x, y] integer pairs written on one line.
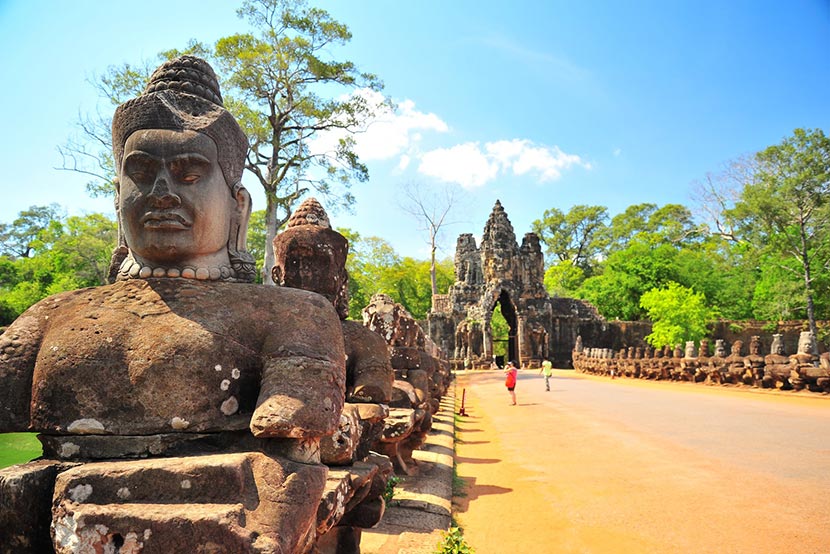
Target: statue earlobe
[[121, 251], [243, 216], [241, 260]]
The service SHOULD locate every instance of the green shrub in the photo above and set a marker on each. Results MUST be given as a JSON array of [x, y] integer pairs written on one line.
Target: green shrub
[[454, 543], [389, 492]]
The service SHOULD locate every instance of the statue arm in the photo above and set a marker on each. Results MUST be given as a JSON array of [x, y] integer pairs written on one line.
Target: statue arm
[[303, 383], [19, 347]]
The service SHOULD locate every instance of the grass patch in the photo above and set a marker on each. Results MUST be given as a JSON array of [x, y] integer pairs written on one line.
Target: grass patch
[[459, 485], [18, 448]]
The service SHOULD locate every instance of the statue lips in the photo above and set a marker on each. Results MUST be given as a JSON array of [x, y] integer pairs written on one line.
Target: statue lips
[[165, 221]]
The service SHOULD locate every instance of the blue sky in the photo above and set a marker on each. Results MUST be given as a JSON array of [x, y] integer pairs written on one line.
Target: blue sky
[[540, 104]]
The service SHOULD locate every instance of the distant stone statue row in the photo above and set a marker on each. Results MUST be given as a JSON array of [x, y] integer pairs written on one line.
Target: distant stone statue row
[[805, 369]]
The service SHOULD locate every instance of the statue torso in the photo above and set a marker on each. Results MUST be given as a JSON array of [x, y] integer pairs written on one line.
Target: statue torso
[[154, 356]]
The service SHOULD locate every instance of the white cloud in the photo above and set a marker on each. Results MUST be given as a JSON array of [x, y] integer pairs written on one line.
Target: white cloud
[[472, 166], [464, 164], [389, 134], [617, 152], [399, 132], [403, 163]]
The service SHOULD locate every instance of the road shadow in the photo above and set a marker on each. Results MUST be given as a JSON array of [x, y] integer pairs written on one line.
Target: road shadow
[[460, 459], [473, 491]]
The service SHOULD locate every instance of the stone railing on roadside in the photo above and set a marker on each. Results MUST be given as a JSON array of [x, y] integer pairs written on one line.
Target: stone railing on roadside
[[804, 370], [422, 377]]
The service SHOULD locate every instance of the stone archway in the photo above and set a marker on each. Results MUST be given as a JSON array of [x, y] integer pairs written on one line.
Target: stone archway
[[508, 311], [502, 272]]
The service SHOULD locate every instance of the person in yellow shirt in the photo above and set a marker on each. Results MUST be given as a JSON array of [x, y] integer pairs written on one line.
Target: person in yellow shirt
[[547, 371]]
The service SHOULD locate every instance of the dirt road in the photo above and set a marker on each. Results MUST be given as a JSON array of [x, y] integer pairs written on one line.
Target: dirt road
[[600, 466]]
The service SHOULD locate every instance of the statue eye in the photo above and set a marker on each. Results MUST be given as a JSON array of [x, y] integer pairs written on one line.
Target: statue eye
[[188, 171], [140, 170]]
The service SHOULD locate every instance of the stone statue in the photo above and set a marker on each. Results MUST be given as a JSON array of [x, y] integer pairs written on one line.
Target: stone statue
[[807, 370], [690, 363], [755, 361], [181, 355], [538, 341], [734, 370], [777, 365], [714, 369], [310, 255]]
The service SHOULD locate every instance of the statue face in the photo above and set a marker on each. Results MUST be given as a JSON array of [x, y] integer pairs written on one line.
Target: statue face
[[315, 270], [175, 205]]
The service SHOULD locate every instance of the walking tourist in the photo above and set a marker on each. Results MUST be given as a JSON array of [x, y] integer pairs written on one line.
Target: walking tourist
[[512, 373], [547, 371]]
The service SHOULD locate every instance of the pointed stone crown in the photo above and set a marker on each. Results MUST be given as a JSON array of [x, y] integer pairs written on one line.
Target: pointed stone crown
[[310, 212], [183, 94]]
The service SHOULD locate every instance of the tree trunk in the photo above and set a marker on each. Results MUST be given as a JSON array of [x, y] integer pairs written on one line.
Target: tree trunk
[[432, 278], [270, 233], [808, 284]]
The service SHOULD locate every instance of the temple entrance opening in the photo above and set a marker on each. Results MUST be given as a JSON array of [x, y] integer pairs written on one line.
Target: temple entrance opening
[[504, 330]]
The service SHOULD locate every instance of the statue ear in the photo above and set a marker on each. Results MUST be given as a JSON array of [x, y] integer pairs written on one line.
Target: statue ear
[[239, 227], [116, 183]]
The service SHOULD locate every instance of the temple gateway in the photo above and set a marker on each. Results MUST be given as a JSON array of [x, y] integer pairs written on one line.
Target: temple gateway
[[500, 272]]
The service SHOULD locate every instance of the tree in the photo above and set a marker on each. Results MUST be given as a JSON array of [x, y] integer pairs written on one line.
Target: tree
[[63, 255], [430, 210], [627, 275], [256, 241], [19, 239], [678, 314], [275, 82], [280, 85], [784, 211], [374, 267], [575, 237], [574, 241], [672, 223]]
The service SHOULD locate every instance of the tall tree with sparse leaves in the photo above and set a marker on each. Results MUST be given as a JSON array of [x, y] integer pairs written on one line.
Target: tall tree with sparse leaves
[[285, 91], [276, 83], [784, 211]]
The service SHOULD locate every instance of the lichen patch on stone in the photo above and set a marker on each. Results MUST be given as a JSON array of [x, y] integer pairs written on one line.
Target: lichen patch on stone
[[80, 493], [230, 406], [179, 423], [69, 449], [85, 426]]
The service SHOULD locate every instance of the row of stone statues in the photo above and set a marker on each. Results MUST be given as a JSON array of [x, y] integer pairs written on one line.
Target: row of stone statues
[[805, 369], [183, 408]]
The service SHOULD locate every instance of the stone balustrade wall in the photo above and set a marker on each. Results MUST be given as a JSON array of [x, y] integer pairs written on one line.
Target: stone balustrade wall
[[804, 370]]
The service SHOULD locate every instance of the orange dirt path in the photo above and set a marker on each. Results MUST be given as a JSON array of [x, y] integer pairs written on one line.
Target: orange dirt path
[[543, 478]]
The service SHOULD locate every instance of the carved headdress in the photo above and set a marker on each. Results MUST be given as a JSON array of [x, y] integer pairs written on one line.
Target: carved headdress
[[183, 94]]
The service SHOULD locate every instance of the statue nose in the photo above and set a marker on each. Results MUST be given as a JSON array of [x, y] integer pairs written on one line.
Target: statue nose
[[161, 196]]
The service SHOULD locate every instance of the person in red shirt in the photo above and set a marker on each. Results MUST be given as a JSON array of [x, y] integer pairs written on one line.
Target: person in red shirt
[[511, 373]]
